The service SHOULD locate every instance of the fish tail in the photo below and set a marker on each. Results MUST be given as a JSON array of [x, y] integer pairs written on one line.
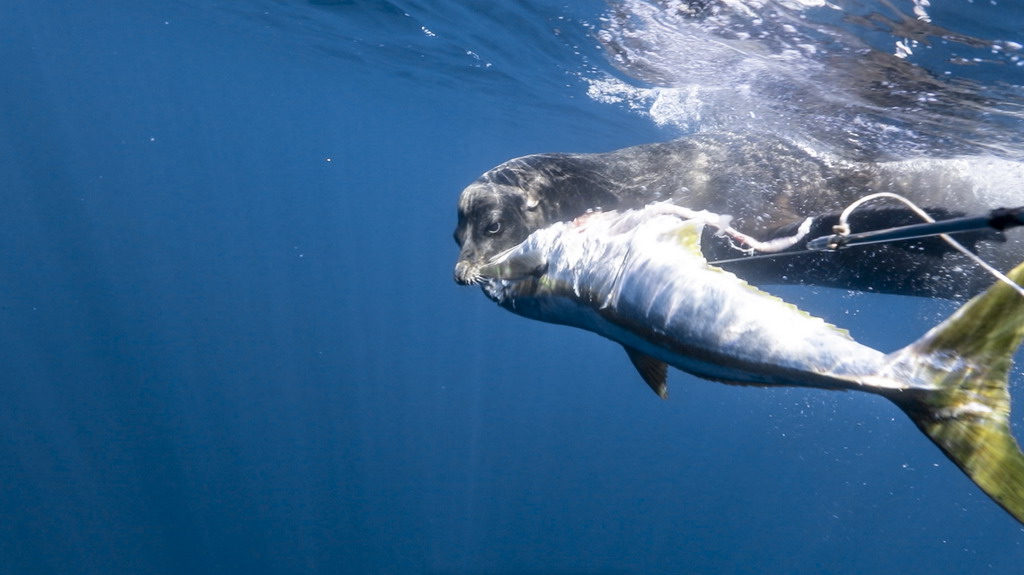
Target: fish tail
[[964, 405]]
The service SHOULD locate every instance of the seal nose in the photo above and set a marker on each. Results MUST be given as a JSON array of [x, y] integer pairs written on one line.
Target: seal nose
[[463, 276]]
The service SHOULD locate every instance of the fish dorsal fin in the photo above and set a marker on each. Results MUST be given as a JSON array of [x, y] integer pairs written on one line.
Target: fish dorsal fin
[[516, 266], [688, 235], [654, 371]]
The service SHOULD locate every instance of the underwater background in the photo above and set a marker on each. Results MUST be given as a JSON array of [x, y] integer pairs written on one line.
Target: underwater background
[[230, 341]]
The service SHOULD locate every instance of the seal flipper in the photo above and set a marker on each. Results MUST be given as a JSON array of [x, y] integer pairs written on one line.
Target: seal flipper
[[654, 371]]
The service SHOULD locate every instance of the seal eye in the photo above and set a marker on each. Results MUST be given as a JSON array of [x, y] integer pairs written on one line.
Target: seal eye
[[494, 228]]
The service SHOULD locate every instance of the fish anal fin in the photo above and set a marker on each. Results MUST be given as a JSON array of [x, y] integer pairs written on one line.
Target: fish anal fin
[[653, 371]]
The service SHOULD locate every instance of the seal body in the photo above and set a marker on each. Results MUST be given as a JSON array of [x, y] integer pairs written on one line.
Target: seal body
[[769, 186]]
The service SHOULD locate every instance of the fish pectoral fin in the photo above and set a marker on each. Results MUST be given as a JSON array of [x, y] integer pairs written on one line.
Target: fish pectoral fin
[[516, 266], [654, 371]]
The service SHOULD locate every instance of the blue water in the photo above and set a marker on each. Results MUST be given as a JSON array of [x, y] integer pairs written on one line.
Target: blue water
[[230, 341]]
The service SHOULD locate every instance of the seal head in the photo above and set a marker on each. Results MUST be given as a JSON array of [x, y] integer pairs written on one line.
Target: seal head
[[492, 218], [506, 204]]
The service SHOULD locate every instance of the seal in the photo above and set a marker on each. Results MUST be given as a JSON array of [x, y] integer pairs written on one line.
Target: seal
[[770, 187]]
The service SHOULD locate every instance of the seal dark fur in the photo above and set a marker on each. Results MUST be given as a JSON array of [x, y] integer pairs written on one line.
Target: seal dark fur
[[769, 186]]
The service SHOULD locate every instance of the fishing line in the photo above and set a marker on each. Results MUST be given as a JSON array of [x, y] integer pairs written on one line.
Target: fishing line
[[998, 219], [762, 257]]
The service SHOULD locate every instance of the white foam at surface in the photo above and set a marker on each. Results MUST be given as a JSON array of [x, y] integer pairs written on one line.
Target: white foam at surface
[[808, 69]]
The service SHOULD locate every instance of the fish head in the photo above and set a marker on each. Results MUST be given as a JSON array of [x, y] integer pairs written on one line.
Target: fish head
[[520, 272]]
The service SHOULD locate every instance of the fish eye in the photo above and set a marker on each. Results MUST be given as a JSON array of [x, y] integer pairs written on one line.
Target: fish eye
[[494, 228]]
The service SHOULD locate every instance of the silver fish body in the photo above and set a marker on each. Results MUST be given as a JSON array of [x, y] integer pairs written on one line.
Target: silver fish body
[[639, 278]]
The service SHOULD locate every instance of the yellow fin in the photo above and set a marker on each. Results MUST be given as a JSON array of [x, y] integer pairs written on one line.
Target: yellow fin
[[967, 359], [688, 235]]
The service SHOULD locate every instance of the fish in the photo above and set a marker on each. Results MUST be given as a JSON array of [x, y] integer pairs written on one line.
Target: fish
[[639, 278]]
